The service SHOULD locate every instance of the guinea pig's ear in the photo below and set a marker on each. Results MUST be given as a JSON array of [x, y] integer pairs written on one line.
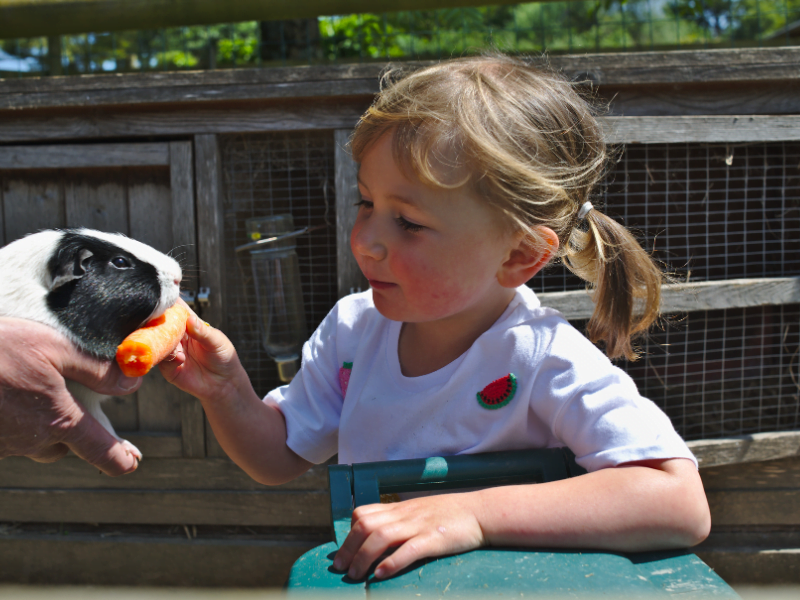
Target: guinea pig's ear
[[70, 266]]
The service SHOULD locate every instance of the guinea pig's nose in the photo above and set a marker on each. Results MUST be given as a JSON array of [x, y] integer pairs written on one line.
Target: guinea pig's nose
[[177, 281]]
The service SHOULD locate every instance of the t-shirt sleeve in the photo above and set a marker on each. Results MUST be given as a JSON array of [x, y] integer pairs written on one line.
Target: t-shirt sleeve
[[595, 409], [312, 402]]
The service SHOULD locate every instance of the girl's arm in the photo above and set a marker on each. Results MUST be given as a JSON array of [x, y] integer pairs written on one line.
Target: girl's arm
[[250, 431], [652, 505]]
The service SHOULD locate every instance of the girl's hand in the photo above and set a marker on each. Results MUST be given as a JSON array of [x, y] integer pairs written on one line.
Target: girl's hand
[[205, 363], [421, 527]]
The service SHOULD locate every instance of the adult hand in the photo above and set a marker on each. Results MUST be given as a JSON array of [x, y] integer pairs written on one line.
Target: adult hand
[[417, 528], [39, 418]]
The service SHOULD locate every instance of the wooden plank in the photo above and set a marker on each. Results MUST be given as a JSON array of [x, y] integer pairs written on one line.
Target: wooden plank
[[210, 226], [101, 124], [732, 99], [154, 445], [692, 297], [272, 508], [71, 156], [184, 250], [119, 558], [756, 447], [754, 507], [31, 204], [754, 494], [348, 275], [607, 69], [152, 474], [178, 90], [733, 129], [681, 66]]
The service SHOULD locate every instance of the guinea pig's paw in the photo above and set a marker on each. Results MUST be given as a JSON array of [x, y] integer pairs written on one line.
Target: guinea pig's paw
[[131, 449]]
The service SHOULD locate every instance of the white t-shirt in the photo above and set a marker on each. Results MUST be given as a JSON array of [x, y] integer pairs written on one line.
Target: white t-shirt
[[566, 393]]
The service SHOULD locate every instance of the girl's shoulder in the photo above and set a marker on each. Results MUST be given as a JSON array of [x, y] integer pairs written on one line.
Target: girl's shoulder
[[542, 328]]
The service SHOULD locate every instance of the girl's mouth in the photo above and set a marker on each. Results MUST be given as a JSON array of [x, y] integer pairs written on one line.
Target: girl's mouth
[[380, 285]]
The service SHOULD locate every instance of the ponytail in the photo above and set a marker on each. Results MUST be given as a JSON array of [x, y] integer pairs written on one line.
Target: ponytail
[[625, 280]]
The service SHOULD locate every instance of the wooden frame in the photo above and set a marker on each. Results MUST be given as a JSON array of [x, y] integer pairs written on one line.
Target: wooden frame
[[720, 96]]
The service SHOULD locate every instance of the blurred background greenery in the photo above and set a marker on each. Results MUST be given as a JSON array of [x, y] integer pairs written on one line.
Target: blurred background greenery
[[532, 27]]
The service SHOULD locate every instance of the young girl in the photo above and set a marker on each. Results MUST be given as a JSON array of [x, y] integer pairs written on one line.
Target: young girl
[[474, 174]]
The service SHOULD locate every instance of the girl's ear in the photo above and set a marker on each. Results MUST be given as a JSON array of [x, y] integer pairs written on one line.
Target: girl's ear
[[527, 256]]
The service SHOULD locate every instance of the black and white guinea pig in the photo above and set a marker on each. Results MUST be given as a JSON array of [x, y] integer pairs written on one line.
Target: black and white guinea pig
[[94, 287]]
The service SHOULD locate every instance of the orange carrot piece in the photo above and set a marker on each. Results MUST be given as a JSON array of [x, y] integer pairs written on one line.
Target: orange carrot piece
[[152, 343]]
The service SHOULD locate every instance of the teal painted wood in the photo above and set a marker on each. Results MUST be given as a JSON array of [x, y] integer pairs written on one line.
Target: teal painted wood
[[313, 572], [501, 572], [489, 572]]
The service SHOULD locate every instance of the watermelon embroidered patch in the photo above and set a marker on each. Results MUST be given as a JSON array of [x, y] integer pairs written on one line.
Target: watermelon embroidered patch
[[498, 393], [344, 377]]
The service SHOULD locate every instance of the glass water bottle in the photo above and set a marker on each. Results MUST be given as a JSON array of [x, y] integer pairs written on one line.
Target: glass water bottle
[[276, 276]]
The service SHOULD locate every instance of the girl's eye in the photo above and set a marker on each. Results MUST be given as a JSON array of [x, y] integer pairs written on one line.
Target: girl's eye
[[364, 203], [408, 225], [121, 262]]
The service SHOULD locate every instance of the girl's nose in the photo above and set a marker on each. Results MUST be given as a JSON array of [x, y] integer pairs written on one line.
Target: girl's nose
[[366, 241]]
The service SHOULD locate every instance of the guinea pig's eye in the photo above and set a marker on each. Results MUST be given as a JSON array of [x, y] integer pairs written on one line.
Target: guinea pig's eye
[[121, 262]]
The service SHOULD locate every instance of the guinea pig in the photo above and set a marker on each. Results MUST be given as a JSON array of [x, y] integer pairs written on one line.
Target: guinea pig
[[94, 287]]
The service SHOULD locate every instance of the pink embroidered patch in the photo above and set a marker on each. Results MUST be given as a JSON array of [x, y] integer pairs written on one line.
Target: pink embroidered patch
[[344, 377]]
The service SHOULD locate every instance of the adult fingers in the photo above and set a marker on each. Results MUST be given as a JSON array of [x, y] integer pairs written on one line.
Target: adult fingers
[[49, 454], [102, 377], [90, 441]]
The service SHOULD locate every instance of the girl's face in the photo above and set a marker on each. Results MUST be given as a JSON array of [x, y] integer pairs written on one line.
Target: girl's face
[[428, 253]]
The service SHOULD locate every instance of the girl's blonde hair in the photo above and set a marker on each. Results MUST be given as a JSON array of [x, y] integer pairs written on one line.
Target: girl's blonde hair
[[530, 145]]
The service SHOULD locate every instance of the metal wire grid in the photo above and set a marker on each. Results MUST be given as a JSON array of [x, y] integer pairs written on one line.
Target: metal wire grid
[[727, 372], [714, 373], [269, 174], [708, 212], [713, 212]]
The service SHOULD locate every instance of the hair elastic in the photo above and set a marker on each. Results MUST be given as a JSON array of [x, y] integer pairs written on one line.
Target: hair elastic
[[587, 206]]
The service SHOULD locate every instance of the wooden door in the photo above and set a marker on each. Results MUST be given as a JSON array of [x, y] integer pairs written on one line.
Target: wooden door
[[143, 190]]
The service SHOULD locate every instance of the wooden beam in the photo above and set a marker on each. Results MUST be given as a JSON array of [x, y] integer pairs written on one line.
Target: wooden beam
[[78, 156], [153, 474], [349, 276], [757, 447], [291, 117], [732, 129], [692, 297], [693, 73], [288, 509], [117, 557], [184, 235], [33, 18]]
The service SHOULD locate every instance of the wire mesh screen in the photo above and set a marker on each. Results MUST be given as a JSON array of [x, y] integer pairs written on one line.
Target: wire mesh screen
[[710, 212], [726, 372], [272, 174], [707, 211]]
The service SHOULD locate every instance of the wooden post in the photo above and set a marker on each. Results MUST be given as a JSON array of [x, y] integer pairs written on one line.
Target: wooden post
[[349, 276], [210, 238], [184, 236]]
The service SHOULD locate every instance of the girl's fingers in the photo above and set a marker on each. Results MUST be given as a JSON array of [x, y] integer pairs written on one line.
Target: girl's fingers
[[365, 521], [410, 552]]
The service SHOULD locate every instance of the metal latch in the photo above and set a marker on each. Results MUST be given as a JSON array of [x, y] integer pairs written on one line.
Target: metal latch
[[189, 296], [199, 299], [202, 297]]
